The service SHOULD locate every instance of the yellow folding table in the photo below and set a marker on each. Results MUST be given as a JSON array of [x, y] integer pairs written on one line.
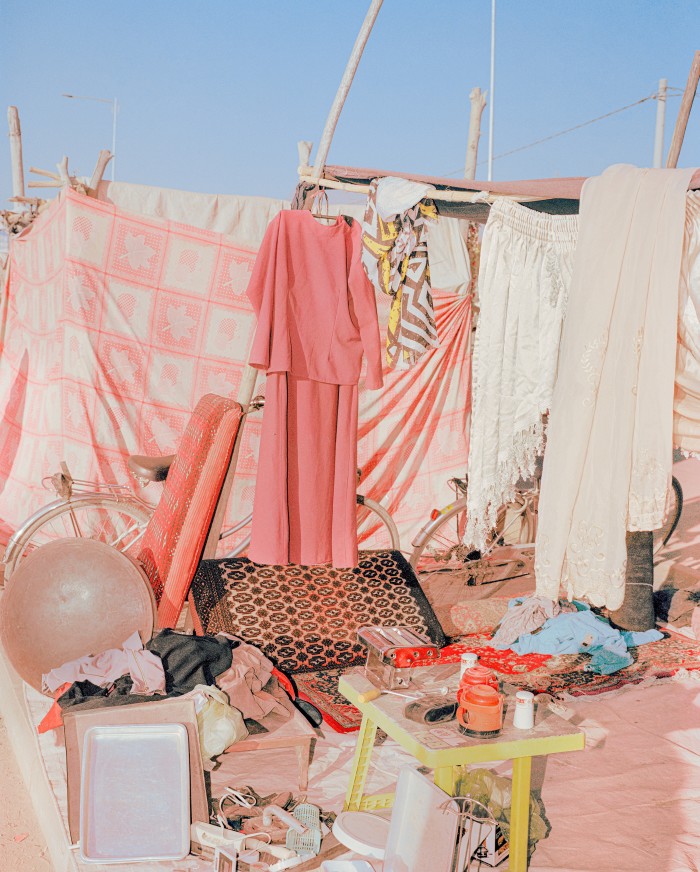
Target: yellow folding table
[[441, 747]]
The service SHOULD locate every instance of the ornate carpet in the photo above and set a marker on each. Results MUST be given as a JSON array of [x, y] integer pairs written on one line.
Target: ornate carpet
[[305, 618]]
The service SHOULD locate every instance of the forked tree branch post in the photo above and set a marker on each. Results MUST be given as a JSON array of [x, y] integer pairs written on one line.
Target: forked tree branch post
[[477, 97], [16, 152]]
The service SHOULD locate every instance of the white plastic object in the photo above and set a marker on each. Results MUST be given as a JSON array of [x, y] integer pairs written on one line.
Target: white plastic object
[[286, 864], [363, 832], [211, 836], [424, 823], [135, 794], [524, 712], [309, 816], [265, 847], [225, 859], [466, 661], [346, 866], [286, 818]]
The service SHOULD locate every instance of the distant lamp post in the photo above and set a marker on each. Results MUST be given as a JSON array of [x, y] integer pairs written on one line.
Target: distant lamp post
[[492, 91], [114, 105]]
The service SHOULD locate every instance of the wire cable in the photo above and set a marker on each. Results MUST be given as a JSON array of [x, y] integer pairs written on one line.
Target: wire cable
[[653, 96]]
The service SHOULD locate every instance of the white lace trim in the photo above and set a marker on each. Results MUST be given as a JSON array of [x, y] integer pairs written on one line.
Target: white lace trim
[[527, 446]]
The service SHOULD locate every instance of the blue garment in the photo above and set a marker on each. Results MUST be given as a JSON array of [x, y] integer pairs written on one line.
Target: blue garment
[[584, 632], [571, 633], [605, 662]]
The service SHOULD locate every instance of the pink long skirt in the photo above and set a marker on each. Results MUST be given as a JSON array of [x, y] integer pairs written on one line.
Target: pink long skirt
[[304, 510]]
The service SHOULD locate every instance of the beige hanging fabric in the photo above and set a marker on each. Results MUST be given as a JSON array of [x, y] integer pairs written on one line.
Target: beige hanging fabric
[[686, 403], [607, 467]]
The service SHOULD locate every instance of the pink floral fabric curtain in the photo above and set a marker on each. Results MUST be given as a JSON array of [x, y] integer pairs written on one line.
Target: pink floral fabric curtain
[[113, 325]]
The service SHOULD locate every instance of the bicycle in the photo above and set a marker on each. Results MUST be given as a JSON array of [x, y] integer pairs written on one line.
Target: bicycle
[[112, 513], [510, 549]]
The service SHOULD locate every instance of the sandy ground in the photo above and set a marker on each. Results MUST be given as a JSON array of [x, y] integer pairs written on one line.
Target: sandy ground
[[22, 845]]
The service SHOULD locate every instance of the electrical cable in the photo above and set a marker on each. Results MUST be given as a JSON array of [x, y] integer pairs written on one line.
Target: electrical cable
[[653, 96]]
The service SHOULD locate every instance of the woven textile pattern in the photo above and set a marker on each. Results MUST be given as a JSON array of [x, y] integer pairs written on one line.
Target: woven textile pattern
[[172, 545], [306, 617]]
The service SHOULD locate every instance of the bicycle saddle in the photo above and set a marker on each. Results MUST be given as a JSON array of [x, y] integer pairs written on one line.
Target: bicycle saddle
[[150, 468]]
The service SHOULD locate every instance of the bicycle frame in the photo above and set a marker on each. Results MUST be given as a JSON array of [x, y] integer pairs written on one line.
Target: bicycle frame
[[526, 507]]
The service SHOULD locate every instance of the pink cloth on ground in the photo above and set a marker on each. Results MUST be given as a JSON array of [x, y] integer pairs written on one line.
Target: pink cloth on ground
[[316, 314], [243, 682], [144, 667]]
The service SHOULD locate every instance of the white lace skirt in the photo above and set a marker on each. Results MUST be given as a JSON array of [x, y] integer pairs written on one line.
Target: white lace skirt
[[524, 277]]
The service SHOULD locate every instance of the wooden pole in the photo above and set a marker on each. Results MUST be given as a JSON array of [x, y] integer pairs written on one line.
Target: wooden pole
[[304, 147], [16, 152], [478, 100], [344, 88], [684, 112], [103, 159]]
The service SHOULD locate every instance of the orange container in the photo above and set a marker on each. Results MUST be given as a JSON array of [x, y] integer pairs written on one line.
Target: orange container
[[480, 711], [475, 676]]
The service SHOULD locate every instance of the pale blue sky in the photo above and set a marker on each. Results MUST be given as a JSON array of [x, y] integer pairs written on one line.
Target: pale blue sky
[[214, 94]]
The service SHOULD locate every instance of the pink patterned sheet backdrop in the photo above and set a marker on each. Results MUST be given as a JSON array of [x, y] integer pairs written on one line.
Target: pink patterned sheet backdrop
[[114, 325]]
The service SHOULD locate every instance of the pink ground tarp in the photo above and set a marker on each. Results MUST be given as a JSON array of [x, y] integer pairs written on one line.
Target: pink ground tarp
[[114, 324]]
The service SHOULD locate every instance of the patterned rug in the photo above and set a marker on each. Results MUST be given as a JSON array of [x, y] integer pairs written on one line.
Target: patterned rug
[[539, 673], [305, 618], [566, 673]]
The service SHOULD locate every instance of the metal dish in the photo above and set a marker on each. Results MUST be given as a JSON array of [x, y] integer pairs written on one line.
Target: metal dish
[[135, 794]]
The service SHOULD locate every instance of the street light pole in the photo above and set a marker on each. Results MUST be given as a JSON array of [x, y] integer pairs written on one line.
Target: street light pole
[[492, 88], [113, 103]]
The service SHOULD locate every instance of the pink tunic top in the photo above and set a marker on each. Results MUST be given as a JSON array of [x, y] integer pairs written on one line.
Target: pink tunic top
[[315, 305], [316, 314]]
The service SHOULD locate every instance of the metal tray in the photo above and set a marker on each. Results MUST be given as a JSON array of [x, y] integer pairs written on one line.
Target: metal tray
[[135, 794]]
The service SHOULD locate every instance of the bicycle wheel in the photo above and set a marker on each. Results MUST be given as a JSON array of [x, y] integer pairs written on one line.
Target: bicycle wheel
[[440, 547], [376, 530], [664, 533], [118, 522]]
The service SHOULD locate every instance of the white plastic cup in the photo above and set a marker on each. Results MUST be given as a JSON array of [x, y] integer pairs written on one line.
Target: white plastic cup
[[466, 661], [524, 714]]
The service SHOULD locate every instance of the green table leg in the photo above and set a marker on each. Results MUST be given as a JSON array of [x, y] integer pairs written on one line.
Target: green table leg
[[444, 778], [360, 764], [520, 814]]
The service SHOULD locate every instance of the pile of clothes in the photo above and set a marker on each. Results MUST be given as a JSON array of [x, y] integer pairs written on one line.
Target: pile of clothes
[[230, 681], [540, 625]]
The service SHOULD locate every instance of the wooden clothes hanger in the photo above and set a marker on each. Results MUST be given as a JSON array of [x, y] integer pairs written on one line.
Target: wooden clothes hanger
[[321, 203]]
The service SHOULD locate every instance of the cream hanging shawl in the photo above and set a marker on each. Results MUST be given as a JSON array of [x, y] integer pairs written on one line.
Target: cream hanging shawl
[[608, 461]]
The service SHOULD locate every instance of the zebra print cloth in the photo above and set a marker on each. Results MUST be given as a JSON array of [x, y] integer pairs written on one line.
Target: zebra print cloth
[[395, 258]]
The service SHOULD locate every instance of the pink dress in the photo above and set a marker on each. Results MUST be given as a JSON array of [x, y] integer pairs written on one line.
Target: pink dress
[[316, 316]]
